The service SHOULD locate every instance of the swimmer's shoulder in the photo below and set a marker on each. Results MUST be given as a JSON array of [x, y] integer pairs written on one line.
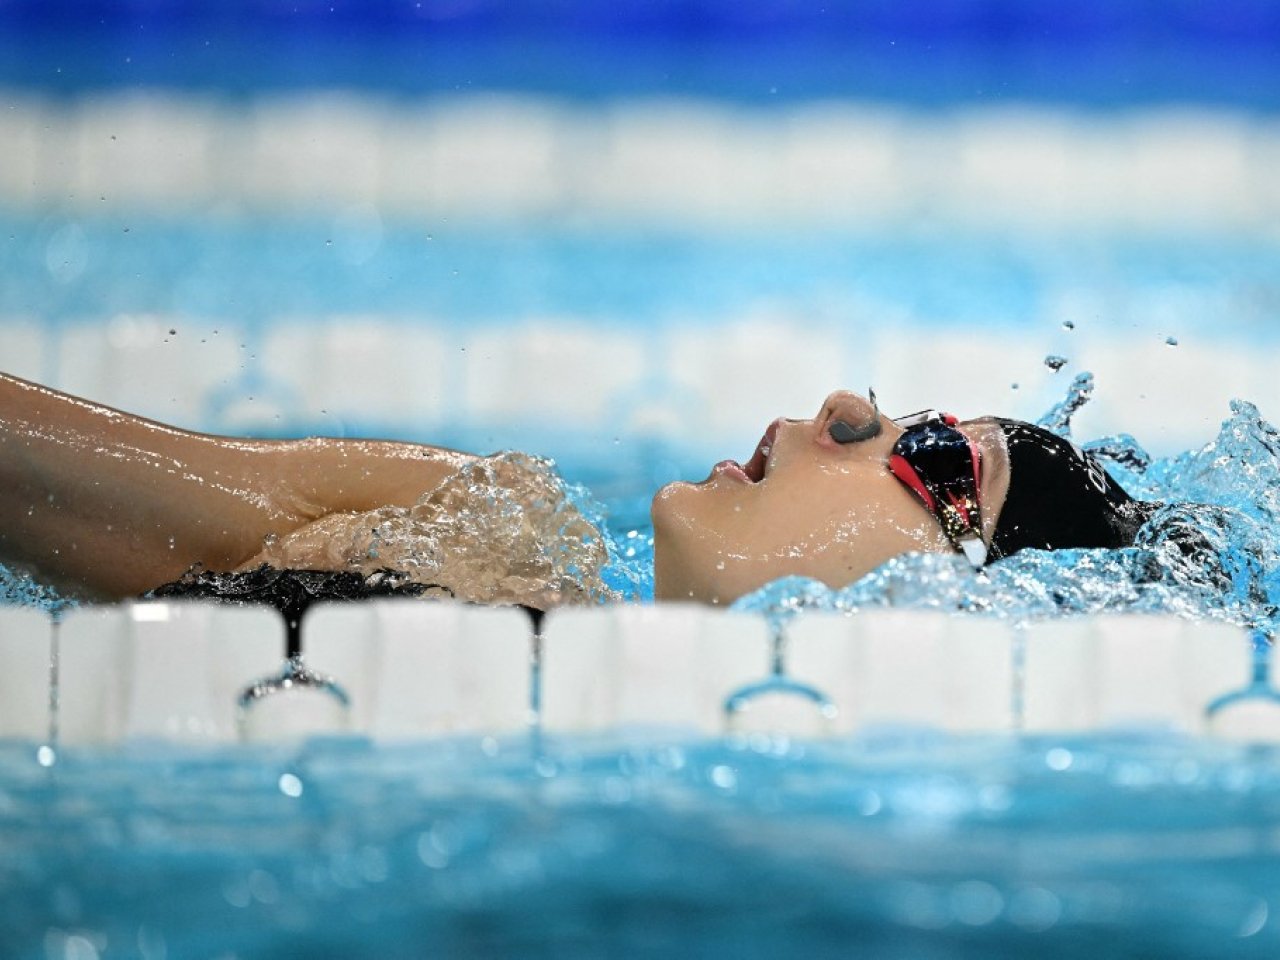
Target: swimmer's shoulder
[[989, 435]]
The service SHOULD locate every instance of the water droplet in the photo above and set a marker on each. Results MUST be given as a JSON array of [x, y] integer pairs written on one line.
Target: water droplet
[[1059, 758], [546, 767], [290, 785], [724, 777], [1254, 921], [328, 243], [1055, 362], [1171, 341], [263, 887], [1013, 386], [976, 903], [869, 803], [46, 756], [1068, 324], [1034, 909], [173, 332], [720, 565]]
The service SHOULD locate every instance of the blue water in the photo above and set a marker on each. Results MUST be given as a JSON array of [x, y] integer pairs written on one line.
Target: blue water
[[903, 847], [918, 847], [887, 845], [64, 267]]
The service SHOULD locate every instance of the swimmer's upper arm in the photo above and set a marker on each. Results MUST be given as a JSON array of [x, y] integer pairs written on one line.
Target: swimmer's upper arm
[[328, 475], [990, 438], [107, 504]]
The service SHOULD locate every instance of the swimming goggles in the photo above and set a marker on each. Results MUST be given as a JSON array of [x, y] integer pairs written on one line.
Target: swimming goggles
[[941, 466]]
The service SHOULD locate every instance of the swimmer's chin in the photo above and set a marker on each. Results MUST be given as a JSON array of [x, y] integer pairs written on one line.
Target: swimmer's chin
[[674, 506]]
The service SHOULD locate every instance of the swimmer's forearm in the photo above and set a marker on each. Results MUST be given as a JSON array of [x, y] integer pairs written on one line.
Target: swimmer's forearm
[[106, 503]]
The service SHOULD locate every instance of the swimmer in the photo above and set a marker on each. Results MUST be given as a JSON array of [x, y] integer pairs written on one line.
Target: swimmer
[[105, 505], [836, 496]]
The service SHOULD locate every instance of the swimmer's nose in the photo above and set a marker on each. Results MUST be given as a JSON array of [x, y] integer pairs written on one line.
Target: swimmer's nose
[[847, 417], [846, 403]]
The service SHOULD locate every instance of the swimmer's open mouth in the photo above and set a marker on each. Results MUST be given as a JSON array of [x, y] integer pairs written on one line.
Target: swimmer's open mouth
[[755, 467]]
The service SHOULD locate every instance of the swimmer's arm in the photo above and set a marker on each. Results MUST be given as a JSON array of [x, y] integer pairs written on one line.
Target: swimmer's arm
[[106, 504], [989, 437]]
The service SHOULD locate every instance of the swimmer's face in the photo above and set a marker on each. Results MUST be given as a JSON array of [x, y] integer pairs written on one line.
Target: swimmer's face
[[803, 505]]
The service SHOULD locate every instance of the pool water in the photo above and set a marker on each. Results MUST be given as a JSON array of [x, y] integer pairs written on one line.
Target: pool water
[[162, 294], [907, 845], [903, 845], [899, 843]]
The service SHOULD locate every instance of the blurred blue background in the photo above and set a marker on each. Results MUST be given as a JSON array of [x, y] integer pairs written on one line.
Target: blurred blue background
[[629, 234], [936, 53]]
